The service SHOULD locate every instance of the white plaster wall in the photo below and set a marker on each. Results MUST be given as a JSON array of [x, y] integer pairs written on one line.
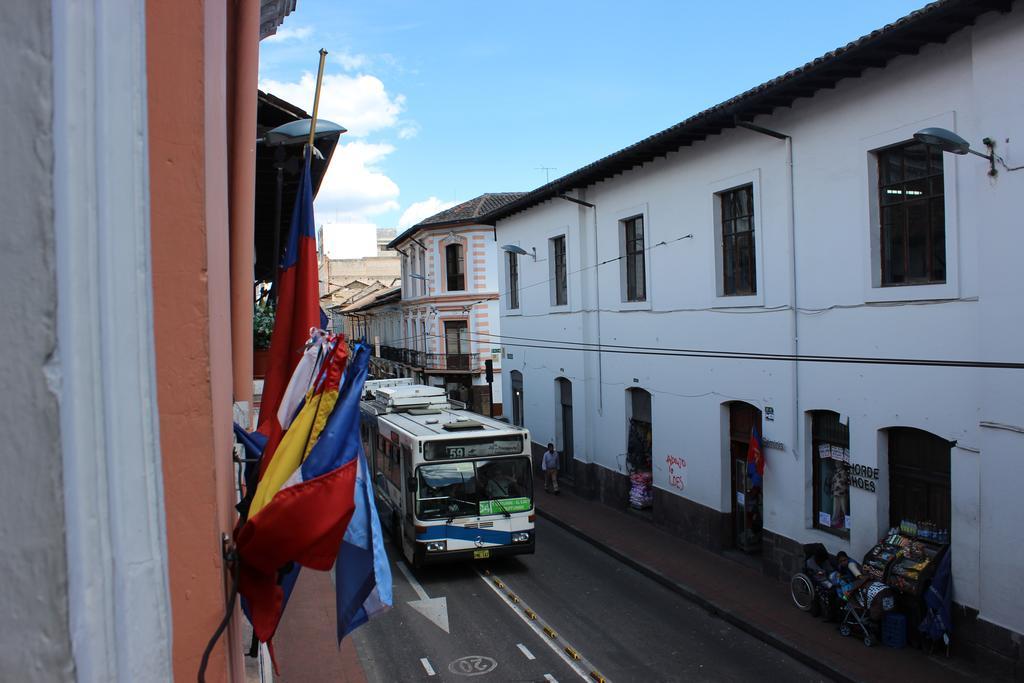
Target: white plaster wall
[[995, 208], [975, 316], [35, 642]]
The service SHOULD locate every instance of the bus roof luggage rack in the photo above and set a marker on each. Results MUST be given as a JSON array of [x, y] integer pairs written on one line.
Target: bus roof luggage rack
[[409, 397], [459, 425]]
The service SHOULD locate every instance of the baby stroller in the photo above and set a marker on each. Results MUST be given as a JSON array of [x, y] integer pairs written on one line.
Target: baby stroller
[[866, 602], [812, 588]]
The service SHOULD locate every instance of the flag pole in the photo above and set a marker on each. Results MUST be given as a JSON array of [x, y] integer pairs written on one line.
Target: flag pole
[[316, 99]]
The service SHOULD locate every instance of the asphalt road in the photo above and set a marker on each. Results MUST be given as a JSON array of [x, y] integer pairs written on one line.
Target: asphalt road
[[618, 622]]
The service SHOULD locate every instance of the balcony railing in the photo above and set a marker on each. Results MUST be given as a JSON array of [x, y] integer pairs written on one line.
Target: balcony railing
[[452, 361], [456, 362]]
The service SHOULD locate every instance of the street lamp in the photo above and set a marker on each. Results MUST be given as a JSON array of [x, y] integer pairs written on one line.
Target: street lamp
[[948, 141], [519, 251], [294, 132], [291, 133]]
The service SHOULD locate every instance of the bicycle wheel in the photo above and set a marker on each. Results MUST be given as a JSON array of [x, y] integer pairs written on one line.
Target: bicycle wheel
[[802, 591]]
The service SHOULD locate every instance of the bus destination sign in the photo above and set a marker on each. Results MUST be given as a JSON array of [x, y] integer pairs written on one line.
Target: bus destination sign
[[497, 507]]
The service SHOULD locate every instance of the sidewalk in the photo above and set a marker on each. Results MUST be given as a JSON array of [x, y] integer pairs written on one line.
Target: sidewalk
[[742, 596], [305, 643]]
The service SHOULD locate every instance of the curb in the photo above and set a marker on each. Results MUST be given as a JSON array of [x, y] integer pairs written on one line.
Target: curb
[[690, 594]]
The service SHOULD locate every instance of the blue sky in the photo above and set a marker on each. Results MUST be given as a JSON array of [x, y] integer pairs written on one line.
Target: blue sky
[[446, 100]]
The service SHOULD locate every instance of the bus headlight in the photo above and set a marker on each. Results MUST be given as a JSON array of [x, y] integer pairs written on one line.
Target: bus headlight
[[521, 537], [437, 546]]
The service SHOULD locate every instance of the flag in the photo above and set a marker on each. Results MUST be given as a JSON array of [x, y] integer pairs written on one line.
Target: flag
[[297, 312], [303, 431], [303, 503], [755, 458], [306, 374], [362, 574], [253, 443]]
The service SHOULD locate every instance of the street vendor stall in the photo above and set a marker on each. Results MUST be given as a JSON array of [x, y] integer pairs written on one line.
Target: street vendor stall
[[907, 559]]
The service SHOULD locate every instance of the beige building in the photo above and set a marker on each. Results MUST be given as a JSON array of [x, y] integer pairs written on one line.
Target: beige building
[[443, 331], [343, 281]]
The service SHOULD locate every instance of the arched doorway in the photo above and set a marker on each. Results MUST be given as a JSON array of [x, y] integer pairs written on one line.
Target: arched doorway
[[563, 392], [919, 478], [517, 397], [747, 503]]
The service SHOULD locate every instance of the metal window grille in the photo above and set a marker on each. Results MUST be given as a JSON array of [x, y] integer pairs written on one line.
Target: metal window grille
[[738, 257], [912, 215], [513, 281], [561, 275], [636, 273]]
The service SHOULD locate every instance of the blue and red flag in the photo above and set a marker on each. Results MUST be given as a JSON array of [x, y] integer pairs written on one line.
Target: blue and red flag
[[298, 311], [755, 458]]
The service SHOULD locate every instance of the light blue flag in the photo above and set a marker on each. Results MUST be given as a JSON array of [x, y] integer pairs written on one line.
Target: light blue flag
[[362, 572]]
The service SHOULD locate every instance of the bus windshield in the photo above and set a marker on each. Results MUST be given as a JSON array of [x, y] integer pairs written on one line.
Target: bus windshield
[[478, 487]]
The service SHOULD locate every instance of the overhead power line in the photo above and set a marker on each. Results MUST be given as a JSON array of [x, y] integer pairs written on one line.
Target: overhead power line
[[560, 345]]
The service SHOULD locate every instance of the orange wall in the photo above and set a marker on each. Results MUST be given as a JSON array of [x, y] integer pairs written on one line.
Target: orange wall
[[186, 72]]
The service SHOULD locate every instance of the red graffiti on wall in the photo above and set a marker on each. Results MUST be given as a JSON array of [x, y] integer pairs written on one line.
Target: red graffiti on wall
[[676, 470]]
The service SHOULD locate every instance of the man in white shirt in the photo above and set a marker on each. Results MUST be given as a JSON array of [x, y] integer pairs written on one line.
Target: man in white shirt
[[549, 465]]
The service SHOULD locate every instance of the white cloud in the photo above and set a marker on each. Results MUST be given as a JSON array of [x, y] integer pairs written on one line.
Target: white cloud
[[289, 33], [350, 239], [408, 130], [354, 186], [356, 189], [417, 211], [360, 103], [350, 61]]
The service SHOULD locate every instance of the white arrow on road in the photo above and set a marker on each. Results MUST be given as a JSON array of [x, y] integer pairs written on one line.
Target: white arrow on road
[[435, 609]]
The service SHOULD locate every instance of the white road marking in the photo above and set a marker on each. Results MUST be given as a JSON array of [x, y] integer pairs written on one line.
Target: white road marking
[[412, 581], [526, 653], [426, 665], [550, 678], [434, 609], [575, 666]]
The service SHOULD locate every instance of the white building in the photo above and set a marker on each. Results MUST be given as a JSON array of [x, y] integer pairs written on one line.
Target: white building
[[445, 331], [800, 218]]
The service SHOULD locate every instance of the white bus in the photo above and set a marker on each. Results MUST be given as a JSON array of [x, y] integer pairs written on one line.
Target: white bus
[[450, 484]]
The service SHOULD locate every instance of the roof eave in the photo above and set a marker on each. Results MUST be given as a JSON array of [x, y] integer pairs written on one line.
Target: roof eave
[[933, 24]]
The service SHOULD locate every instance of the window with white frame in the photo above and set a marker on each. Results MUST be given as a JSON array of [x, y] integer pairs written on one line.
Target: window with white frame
[[423, 272], [455, 267], [635, 265], [738, 267], [560, 279], [513, 281], [911, 212]]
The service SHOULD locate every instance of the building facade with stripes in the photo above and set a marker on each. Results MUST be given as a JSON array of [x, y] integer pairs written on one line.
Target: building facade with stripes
[[449, 322]]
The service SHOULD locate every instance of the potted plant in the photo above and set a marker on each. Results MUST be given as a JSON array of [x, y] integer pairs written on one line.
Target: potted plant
[[262, 328]]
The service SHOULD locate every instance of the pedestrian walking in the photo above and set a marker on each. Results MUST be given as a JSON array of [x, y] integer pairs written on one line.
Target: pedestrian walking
[[550, 467]]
